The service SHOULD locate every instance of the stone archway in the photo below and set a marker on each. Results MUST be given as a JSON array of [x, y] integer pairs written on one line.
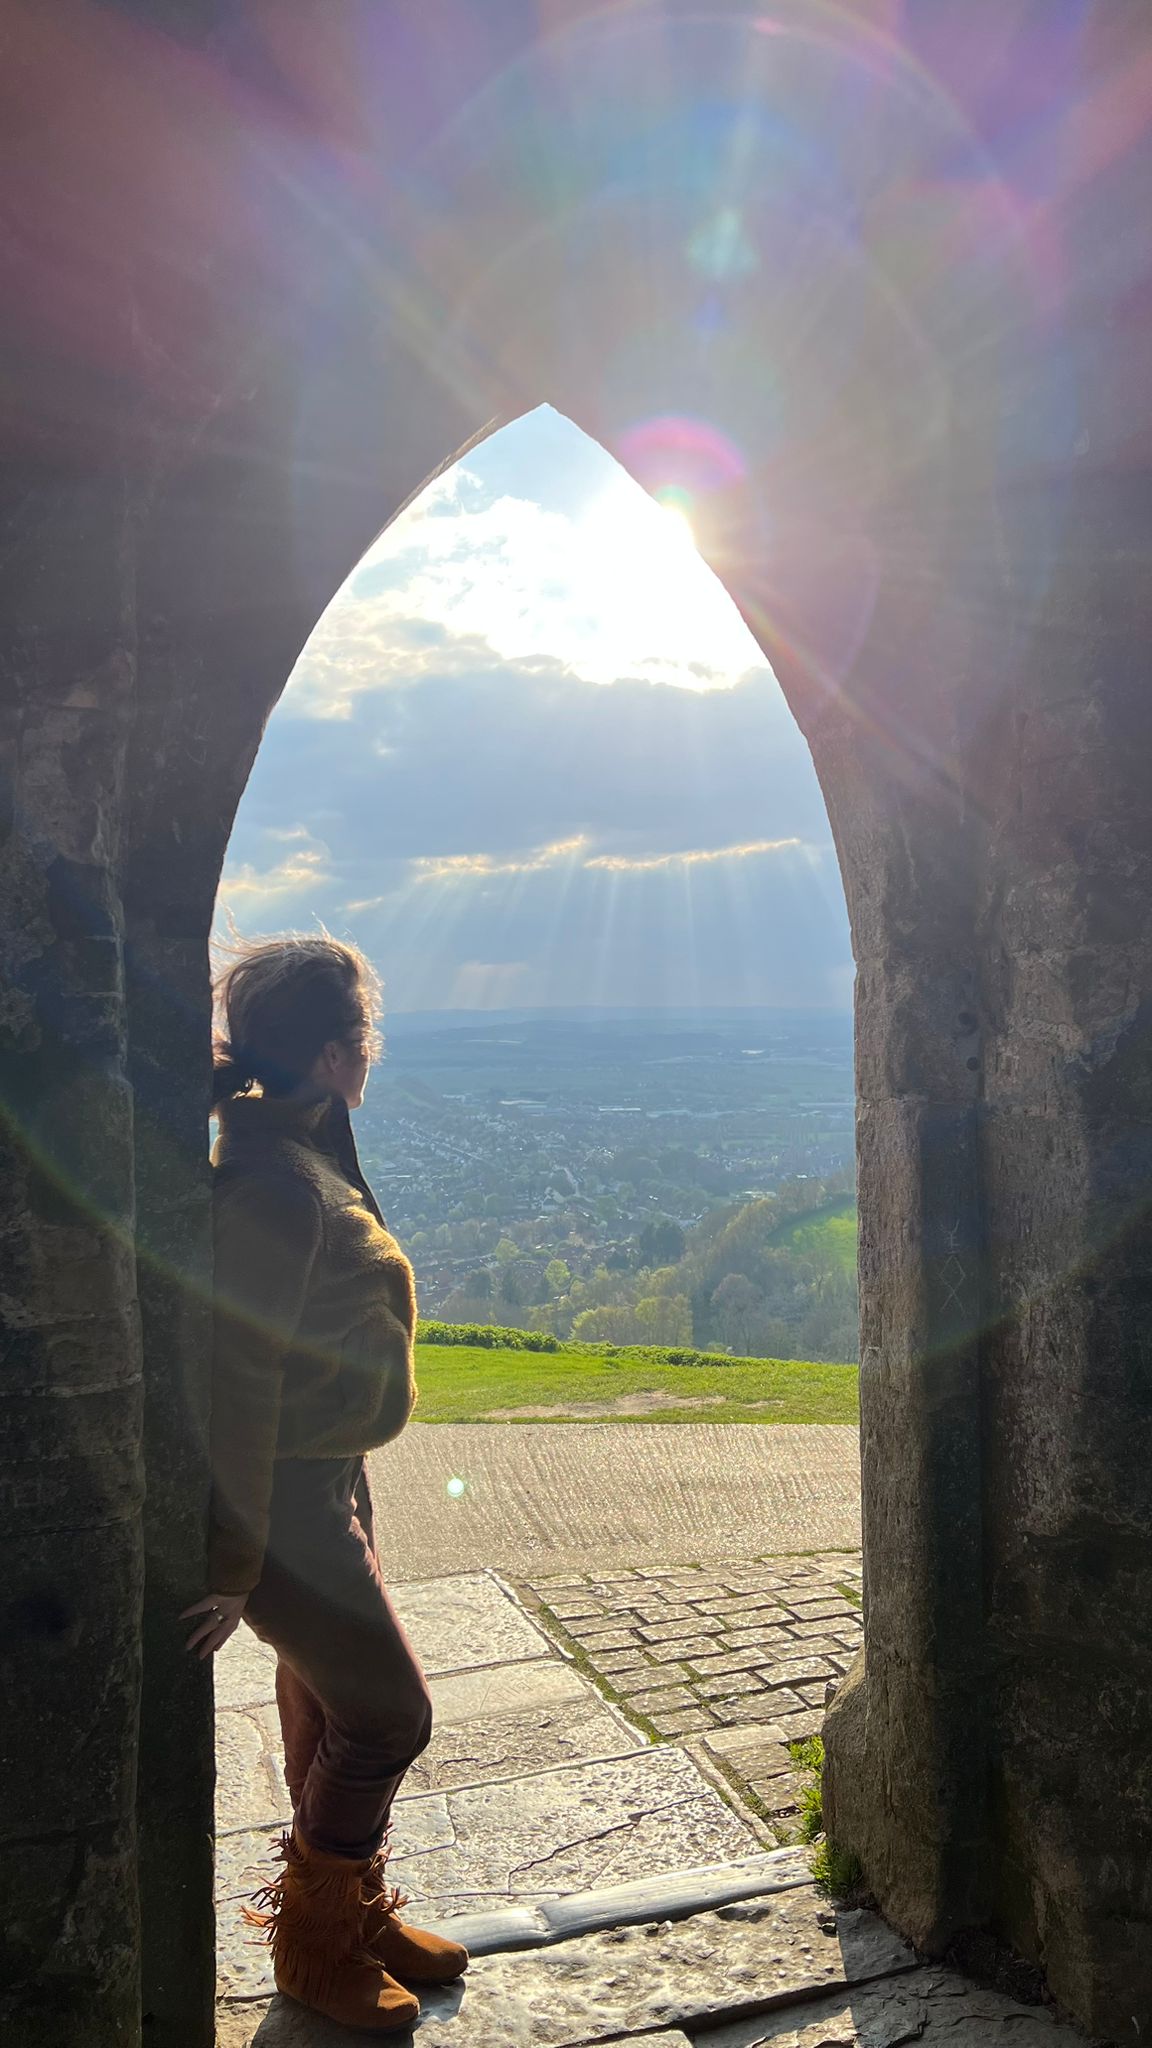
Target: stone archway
[[939, 534]]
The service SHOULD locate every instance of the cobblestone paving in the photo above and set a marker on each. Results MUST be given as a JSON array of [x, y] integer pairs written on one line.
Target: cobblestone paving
[[736, 1656]]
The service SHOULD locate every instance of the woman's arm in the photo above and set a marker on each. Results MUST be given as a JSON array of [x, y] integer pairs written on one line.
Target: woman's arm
[[268, 1231]]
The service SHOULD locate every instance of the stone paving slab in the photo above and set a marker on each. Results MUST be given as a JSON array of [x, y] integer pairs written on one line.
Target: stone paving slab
[[760, 1763], [931, 2006], [250, 1787], [265, 2026], [560, 1719], [464, 1622], [460, 1623], [491, 1693], [492, 1719], [727, 1645], [568, 1830], [551, 1497], [634, 1980], [517, 1719], [546, 1836], [244, 1672]]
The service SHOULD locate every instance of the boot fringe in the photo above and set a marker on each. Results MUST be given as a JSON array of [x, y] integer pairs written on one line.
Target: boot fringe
[[376, 1891], [315, 1913]]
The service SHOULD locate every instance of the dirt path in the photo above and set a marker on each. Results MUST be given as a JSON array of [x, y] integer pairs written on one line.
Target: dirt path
[[538, 1497]]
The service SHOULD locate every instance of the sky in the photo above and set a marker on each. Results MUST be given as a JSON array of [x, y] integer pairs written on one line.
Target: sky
[[531, 757]]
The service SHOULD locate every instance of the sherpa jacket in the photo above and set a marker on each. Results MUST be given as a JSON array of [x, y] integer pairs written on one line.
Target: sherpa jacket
[[314, 1315]]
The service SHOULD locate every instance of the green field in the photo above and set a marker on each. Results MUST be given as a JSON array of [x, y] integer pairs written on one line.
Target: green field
[[829, 1235], [464, 1384]]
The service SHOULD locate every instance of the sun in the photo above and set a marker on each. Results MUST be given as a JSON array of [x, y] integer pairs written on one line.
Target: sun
[[652, 587], [630, 533], [678, 528]]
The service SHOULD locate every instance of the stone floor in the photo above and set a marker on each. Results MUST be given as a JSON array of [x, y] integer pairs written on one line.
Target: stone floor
[[782, 1971], [738, 1654], [611, 1888], [533, 1787], [586, 1497]]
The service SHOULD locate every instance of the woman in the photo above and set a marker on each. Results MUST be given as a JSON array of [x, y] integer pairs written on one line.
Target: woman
[[312, 1367]]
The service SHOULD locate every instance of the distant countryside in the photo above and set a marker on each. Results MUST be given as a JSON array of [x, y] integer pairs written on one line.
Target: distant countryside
[[680, 1183]]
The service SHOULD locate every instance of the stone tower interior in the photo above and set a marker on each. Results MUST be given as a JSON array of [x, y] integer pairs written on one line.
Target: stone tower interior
[[269, 267]]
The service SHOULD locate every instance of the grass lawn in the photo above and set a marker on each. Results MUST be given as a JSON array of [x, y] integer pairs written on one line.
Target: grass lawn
[[461, 1384], [829, 1234]]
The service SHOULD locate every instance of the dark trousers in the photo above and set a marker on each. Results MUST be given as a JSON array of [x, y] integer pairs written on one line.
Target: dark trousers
[[355, 1710]]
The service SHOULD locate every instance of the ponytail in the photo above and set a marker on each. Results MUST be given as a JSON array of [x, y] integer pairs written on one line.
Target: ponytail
[[230, 1076], [279, 1002]]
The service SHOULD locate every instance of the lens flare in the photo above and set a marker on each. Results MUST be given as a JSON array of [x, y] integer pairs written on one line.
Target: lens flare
[[677, 454], [721, 249], [676, 501]]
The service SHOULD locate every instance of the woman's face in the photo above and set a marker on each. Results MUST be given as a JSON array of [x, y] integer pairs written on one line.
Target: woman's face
[[342, 1068], [350, 1071]]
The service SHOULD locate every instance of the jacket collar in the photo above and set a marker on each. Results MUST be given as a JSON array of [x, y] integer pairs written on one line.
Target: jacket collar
[[271, 1116], [325, 1125]]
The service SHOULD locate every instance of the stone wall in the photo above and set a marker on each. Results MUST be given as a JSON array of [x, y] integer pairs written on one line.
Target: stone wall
[[1067, 1147], [1035, 1491], [940, 534], [988, 1759], [71, 1472]]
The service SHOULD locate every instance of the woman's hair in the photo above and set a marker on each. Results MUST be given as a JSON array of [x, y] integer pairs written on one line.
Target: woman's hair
[[280, 1001]]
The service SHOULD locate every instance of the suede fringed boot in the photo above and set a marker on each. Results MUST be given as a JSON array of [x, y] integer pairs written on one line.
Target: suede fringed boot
[[315, 1925], [410, 1953]]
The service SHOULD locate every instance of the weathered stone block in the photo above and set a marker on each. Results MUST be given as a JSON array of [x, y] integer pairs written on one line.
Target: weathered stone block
[[465, 1621], [70, 1627], [70, 1949], [931, 2006]]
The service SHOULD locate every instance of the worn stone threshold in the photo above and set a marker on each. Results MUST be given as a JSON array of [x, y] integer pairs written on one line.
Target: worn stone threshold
[[674, 1897], [656, 1901], [739, 1962], [650, 1980]]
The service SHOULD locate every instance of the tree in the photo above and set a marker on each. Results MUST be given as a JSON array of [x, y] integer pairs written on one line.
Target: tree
[[557, 1276], [506, 1250], [464, 1305], [509, 1286], [665, 1280], [611, 1324], [521, 1282], [738, 1312], [665, 1319], [660, 1243]]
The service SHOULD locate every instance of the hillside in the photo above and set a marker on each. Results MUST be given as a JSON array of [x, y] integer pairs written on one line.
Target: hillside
[[597, 1383], [774, 1277], [828, 1236]]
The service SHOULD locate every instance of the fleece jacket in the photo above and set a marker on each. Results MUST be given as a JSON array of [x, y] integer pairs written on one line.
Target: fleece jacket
[[315, 1312]]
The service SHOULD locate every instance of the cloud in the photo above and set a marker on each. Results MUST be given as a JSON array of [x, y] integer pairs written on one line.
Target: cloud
[[620, 864], [476, 756], [612, 589], [509, 834], [463, 866], [304, 870], [483, 867], [448, 781]]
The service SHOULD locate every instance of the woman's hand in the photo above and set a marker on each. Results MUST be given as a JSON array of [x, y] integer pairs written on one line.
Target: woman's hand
[[221, 1618]]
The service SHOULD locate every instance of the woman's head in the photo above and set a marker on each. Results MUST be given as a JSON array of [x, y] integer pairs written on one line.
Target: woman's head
[[298, 1016]]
